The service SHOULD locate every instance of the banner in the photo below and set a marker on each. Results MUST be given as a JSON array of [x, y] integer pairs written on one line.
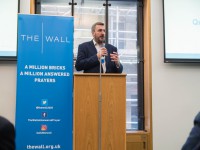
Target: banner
[[44, 82]]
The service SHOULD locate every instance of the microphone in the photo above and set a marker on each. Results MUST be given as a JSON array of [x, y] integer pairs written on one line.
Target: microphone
[[103, 60]]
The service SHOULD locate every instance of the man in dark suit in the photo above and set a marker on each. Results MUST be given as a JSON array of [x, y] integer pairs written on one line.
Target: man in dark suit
[[193, 141], [90, 54], [7, 135]]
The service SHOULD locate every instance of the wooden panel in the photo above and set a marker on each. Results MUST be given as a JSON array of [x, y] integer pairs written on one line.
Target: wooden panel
[[114, 108], [137, 141], [136, 146], [32, 6], [148, 72], [85, 113], [86, 91]]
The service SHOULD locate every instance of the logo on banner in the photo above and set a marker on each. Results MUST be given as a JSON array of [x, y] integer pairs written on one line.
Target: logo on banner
[[43, 130], [36, 38], [43, 127], [44, 114], [44, 102]]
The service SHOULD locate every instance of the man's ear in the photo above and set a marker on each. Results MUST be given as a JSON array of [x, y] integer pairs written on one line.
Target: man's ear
[[93, 34]]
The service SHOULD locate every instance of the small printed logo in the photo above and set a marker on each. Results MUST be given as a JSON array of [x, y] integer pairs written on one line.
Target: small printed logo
[[44, 114], [44, 102], [43, 127]]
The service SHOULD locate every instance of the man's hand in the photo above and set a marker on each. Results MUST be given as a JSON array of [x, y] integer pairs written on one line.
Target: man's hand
[[114, 57], [102, 52]]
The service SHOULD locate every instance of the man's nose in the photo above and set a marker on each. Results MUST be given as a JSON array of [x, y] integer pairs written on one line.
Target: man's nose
[[103, 32]]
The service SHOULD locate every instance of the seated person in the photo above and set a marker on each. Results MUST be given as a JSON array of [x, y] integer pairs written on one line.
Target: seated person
[[193, 140], [7, 135]]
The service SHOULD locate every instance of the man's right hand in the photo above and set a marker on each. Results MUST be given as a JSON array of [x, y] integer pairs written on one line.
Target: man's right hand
[[102, 52]]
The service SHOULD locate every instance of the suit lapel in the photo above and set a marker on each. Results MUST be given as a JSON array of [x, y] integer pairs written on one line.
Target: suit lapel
[[92, 48]]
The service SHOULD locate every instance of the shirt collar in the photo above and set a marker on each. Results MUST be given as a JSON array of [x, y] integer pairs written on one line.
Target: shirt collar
[[95, 43]]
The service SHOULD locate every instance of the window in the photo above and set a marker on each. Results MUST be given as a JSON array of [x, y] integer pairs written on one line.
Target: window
[[123, 33]]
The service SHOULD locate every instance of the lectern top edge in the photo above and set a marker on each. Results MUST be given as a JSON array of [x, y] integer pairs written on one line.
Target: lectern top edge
[[97, 74]]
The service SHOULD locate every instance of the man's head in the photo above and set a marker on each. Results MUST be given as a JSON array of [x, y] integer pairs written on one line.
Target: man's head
[[98, 32]]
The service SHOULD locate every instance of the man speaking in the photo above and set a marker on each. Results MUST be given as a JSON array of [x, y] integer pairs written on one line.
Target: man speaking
[[93, 54]]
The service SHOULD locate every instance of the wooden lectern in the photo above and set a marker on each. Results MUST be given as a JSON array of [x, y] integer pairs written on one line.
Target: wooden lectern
[[113, 112]]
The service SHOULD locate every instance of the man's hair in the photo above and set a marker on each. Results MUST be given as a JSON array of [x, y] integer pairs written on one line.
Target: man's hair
[[94, 25]]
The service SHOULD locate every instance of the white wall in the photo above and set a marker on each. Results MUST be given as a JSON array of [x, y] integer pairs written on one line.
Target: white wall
[[8, 90], [176, 95], [25, 6], [8, 79]]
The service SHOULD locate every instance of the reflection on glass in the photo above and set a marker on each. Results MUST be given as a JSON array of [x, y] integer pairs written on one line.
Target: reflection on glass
[[86, 14], [58, 7], [123, 35]]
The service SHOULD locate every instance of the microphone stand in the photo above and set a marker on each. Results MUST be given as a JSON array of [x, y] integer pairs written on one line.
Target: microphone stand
[[100, 106]]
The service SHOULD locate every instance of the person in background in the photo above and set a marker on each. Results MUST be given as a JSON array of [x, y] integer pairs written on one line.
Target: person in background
[[7, 134], [193, 140], [90, 54]]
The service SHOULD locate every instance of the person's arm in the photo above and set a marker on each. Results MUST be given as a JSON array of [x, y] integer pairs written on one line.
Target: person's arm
[[115, 58], [84, 62], [118, 67], [193, 140]]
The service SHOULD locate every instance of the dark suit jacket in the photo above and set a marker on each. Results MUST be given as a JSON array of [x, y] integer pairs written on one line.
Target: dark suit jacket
[[87, 59], [7, 135], [193, 141]]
